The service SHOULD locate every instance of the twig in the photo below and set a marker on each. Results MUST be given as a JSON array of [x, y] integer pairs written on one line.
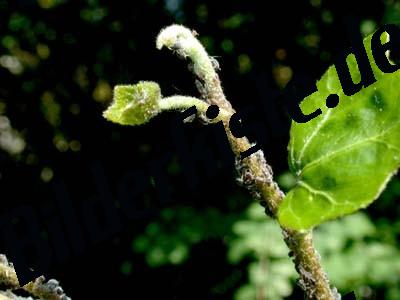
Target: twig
[[50, 290], [254, 171]]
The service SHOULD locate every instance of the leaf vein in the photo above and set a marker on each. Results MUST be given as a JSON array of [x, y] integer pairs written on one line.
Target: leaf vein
[[318, 192], [374, 138], [311, 137]]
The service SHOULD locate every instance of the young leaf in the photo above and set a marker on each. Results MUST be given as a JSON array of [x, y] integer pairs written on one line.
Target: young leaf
[[134, 104], [343, 158]]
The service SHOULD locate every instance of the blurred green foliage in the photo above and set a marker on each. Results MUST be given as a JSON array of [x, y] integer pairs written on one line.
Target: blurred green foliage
[[169, 241], [354, 252]]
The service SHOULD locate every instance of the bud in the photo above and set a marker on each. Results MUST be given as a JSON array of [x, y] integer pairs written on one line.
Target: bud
[[134, 104]]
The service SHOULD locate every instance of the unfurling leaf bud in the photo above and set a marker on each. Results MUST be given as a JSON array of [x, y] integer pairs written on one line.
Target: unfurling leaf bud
[[134, 104]]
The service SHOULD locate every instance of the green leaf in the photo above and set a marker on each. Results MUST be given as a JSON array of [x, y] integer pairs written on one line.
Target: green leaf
[[134, 104], [343, 159]]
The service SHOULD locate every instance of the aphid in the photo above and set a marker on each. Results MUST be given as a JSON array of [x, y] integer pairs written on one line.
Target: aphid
[[246, 178], [176, 46], [3, 259], [201, 88], [215, 63], [177, 49], [189, 119]]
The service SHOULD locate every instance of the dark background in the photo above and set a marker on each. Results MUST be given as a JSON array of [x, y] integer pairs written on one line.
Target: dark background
[[59, 61]]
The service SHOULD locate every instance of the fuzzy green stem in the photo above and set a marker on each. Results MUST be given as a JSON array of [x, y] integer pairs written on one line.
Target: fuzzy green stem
[[181, 40], [182, 103], [178, 102]]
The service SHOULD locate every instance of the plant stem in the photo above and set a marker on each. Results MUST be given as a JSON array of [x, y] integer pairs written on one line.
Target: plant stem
[[313, 279], [256, 174], [181, 103], [39, 288]]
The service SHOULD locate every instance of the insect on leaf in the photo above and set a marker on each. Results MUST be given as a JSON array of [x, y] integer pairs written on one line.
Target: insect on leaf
[[343, 158]]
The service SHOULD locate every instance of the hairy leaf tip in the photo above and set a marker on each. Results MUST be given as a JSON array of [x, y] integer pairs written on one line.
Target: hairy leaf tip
[[134, 104]]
